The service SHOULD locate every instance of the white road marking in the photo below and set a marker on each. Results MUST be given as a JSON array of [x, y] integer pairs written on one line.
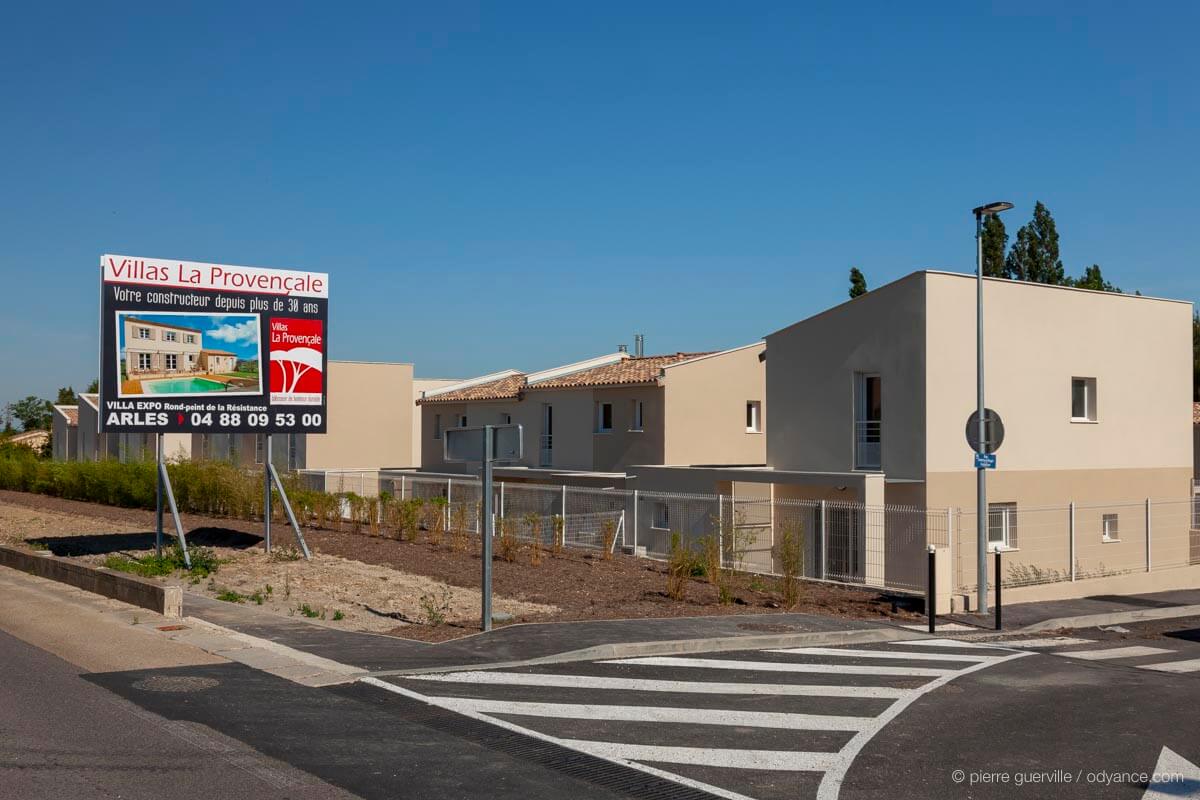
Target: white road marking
[[710, 757], [831, 781], [646, 685], [1115, 652], [1192, 665], [948, 643], [1055, 641], [670, 776], [692, 716], [848, 653], [942, 626], [776, 666], [1174, 778]]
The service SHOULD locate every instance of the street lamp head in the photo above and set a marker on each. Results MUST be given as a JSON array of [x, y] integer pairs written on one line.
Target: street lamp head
[[991, 208]]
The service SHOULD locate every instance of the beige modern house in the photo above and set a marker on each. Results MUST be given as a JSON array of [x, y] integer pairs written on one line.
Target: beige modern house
[[65, 429], [1196, 441], [154, 348], [604, 415]]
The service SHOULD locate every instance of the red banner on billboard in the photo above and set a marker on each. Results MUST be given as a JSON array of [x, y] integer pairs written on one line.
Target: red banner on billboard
[[297, 348]]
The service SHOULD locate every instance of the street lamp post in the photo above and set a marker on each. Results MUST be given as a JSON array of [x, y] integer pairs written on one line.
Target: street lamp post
[[980, 469]]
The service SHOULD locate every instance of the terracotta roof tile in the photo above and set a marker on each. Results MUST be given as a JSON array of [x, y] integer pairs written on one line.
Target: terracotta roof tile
[[633, 370], [504, 388], [70, 412]]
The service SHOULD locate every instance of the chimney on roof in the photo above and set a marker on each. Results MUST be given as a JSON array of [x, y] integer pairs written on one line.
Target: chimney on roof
[[639, 345], [622, 348]]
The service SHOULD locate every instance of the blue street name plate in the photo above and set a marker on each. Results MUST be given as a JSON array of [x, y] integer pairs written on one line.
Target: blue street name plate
[[985, 461]]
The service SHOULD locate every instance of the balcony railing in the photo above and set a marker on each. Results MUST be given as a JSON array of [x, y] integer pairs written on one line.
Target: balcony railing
[[867, 437]]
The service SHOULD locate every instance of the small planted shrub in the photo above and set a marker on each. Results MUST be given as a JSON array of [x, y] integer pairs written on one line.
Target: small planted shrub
[[533, 524], [560, 534], [436, 606], [679, 567], [338, 616], [230, 596], [459, 535], [608, 534], [435, 519], [789, 552], [507, 543], [308, 611]]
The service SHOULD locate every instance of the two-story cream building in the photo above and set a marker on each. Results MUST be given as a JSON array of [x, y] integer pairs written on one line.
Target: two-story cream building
[[602, 416], [156, 348]]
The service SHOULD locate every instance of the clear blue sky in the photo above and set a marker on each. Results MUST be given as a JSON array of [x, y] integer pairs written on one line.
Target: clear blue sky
[[516, 184]]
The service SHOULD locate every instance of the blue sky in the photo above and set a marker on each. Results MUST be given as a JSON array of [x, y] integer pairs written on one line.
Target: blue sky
[[234, 333], [518, 184]]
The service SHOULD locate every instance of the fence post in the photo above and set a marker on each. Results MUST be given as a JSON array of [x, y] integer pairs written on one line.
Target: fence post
[[1072, 545], [501, 499], [999, 605], [824, 542], [950, 547], [402, 487], [931, 589], [449, 489], [564, 514], [720, 530], [1148, 560], [635, 518]]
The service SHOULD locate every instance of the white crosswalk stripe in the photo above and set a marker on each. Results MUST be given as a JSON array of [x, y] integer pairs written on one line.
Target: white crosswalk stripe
[[1052, 641], [950, 643], [577, 705], [1190, 665], [1110, 653]]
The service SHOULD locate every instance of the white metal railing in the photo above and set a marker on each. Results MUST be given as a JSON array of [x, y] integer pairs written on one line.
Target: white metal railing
[[867, 437]]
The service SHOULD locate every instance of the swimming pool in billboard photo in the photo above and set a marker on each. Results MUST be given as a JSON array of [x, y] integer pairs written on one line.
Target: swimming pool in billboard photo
[[181, 386]]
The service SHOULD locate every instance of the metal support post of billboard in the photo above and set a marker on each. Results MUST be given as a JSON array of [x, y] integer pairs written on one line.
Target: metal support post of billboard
[[165, 479], [287, 507], [489, 525], [158, 496], [267, 494]]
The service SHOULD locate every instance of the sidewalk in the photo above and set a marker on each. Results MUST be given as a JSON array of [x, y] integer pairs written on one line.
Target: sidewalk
[[1096, 609], [376, 652]]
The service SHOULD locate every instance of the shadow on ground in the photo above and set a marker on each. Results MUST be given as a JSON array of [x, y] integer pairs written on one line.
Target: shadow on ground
[[102, 543]]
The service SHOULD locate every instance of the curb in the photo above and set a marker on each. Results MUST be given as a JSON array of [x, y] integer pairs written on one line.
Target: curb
[[1113, 618], [676, 647], [165, 599]]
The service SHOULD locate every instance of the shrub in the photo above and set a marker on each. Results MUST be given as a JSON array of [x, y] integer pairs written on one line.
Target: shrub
[[608, 533], [560, 534], [789, 551], [435, 519], [679, 567], [436, 606], [507, 543], [459, 535], [534, 523]]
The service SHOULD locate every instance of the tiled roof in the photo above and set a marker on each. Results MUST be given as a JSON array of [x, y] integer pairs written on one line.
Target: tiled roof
[[92, 400], [1196, 413], [35, 439], [505, 388], [217, 353], [162, 325], [71, 413], [634, 370]]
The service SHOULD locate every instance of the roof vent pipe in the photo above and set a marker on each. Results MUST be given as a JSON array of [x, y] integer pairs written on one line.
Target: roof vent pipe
[[639, 345], [622, 348]]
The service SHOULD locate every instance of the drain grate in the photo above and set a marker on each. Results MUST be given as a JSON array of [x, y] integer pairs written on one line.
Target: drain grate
[[614, 777]]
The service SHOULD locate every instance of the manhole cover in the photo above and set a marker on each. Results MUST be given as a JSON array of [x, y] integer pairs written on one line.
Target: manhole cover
[[175, 683], [767, 627]]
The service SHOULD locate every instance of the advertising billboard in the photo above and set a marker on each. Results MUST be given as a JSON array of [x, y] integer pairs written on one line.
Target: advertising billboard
[[211, 348]]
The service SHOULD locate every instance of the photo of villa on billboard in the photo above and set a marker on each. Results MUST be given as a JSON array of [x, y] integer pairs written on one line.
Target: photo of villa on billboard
[[184, 354]]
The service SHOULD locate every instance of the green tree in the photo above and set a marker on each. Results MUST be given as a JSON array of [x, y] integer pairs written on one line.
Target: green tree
[[33, 413], [1034, 255], [858, 283], [995, 242], [94, 386], [66, 397], [1092, 278]]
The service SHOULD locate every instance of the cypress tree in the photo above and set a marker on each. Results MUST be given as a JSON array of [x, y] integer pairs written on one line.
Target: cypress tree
[[858, 283], [995, 242], [1034, 255]]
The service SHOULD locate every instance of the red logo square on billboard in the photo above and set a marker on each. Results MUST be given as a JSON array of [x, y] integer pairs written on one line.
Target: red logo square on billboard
[[297, 353]]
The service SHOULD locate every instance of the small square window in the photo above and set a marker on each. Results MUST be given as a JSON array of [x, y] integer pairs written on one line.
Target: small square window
[[1083, 399], [753, 416], [1002, 526], [637, 412], [662, 516], [462, 421], [1110, 529], [505, 419]]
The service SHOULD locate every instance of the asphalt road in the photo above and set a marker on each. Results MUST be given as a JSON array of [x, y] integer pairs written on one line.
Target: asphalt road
[[62, 736]]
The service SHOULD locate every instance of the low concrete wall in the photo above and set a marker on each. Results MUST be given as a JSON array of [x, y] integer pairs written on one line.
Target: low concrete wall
[[166, 600], [1162, 580]]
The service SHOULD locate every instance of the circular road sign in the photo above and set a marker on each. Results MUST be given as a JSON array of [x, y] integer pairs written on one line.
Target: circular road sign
[[993, 431]]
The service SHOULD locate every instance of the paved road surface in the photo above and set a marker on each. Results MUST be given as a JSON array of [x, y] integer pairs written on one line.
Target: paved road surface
[[64, 737]]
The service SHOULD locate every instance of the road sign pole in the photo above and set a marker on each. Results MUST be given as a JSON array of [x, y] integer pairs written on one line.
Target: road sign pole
[[980, 471], [266, 492], [158, 496], [485, 547]]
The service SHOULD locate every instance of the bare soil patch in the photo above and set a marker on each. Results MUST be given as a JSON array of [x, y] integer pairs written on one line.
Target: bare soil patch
[[573, 585]]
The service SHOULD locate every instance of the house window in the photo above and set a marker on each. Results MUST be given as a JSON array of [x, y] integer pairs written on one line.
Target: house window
[[462, 421], [753, 416], [637, 416], [172, 361], [170, 336], [1083, 399], [505, 419], [1110, 529], [604, 417], [437, 426], [143, 333], [662, 516], [259, 448], [868, 421], [143, 360], [190, 338], [1002, 525]]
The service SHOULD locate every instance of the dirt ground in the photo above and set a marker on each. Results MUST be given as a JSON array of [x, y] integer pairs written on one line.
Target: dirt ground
[[383, 589]]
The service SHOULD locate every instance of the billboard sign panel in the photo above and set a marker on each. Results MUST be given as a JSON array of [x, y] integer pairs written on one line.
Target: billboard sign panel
[[211, 348]]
